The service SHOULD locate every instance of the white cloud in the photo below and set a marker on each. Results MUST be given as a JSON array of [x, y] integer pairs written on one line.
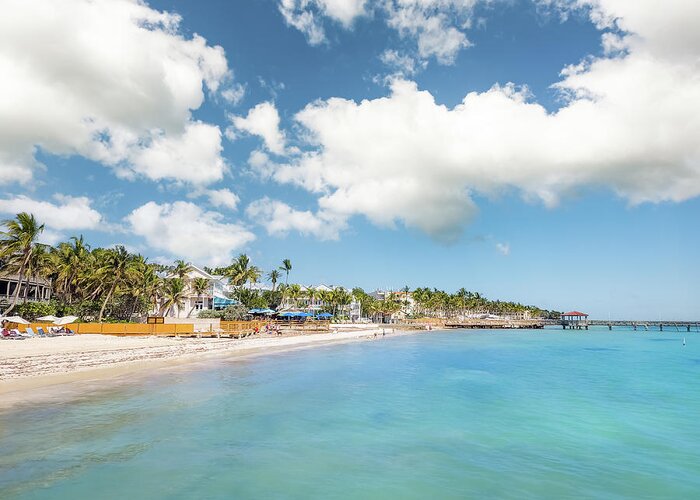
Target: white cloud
[[223, 198], [263, 120], [630, 122], [234, 94], [503, 248], [102, 79], [433, 24], [403, 64], [67, 213], [297, 13], [195, 156], [185, 230], [437, 26], [279, 219]]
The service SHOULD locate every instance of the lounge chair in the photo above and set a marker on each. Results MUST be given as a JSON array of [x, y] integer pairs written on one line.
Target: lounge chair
[[41, 332], [11, 335], [28, 333]]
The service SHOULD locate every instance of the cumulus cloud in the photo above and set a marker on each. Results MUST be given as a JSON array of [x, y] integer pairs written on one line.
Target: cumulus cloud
[[629, 122], [108, 80], [66, 213], [279, 219], [195, 156], [437, 26], [185, 230], [223, 198], [264, 121]]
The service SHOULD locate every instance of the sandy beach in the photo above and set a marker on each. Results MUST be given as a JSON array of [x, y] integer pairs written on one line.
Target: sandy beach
[[40, 363]]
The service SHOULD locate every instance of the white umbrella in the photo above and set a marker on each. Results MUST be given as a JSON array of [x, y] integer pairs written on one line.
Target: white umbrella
[[66, 320], [50, 318], [16, 319]]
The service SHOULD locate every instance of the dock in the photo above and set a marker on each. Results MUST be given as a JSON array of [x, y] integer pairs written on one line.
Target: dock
[[515, 324]]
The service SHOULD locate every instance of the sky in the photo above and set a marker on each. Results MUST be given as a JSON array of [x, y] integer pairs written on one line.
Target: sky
[[541, 151]]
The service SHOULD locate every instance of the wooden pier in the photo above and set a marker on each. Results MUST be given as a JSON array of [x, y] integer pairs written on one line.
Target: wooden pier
[[515, 324], [660, 326]]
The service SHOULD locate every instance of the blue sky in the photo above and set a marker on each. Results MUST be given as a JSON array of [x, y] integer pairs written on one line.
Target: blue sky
[[336, 133]]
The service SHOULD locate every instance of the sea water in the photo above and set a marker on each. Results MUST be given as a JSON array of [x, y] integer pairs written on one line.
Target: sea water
[[459, 414]]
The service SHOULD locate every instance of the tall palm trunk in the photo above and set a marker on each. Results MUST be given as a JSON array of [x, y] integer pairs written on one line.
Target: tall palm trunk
[[20, 278], [104, 304]]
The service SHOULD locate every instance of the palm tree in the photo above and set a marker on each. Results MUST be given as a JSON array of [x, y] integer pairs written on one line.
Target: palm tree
[[17, 245], [115, 269], [182, 269], [286, 267], [239, 270], [274, 277], [292, 292], [200, 286], [174, 295]]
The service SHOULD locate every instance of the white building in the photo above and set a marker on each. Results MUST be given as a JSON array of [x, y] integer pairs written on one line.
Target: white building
[[216, 297]]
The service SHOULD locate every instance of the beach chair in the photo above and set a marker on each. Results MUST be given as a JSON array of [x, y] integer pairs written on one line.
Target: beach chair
[[41, 332], [28, 333], [11, 334]]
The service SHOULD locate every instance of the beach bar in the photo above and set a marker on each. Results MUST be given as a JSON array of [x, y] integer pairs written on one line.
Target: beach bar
[[574, 320]]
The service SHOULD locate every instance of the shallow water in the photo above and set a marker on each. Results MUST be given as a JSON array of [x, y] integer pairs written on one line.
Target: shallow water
[[542, 414]]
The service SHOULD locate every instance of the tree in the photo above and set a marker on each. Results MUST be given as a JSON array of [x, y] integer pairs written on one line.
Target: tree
[[286, 267], [182, 269], [115, 269], [16, 247], [274, 277], [200, 286], [240, 270], [174, 295]]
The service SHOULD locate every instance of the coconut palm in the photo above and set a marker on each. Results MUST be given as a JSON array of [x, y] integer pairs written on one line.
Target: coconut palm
[[182, 269], [174, 295], [239, 270], [199, 286], [286, 267], [292, 292], [273, 276], [115, 269], [17, 244]]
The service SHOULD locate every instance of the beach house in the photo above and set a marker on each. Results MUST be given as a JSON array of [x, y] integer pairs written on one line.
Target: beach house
[[217, 295]]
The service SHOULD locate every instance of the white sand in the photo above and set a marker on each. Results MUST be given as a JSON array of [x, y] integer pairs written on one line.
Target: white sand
[[42, 362]]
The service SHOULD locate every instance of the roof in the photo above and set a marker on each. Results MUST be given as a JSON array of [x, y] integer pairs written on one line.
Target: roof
[[574, 313]]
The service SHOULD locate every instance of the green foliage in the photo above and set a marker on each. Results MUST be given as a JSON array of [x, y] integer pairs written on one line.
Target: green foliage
[[231, 313], [33, 310]]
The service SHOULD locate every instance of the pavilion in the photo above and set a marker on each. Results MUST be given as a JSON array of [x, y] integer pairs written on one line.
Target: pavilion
[[574, 320]]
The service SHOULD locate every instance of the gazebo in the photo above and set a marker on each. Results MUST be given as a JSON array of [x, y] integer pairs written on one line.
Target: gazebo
[[574, 320]]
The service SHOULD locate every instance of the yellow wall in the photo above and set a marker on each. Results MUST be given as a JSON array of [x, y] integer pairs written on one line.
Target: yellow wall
[[120, 328]]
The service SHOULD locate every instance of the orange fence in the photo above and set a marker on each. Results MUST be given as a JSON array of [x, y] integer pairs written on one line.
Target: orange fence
[[120, 329]]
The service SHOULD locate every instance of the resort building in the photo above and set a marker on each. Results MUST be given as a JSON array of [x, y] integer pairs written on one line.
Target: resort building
[[216, 297], [36, 289]]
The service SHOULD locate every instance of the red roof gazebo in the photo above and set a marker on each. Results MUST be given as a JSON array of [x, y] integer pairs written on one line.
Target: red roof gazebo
[[574, 319]]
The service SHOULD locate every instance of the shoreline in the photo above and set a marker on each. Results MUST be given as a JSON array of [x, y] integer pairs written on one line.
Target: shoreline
[[36, 370]]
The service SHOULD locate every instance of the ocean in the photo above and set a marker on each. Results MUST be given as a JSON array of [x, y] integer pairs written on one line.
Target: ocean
[[457, 414]]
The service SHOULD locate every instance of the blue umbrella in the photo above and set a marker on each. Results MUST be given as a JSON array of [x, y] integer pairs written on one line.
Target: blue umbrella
[[324, 315]]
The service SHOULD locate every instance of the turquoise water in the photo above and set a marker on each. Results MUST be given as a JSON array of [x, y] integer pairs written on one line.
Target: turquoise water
[[462, 414]]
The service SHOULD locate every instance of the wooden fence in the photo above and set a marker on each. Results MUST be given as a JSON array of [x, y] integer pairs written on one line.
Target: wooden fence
[[118, 329], [236, 329]]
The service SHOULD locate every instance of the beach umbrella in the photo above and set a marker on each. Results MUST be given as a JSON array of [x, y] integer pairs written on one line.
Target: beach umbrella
[[16, 319], [267, 311], [66, 320], [50, 318], [324, 315]]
